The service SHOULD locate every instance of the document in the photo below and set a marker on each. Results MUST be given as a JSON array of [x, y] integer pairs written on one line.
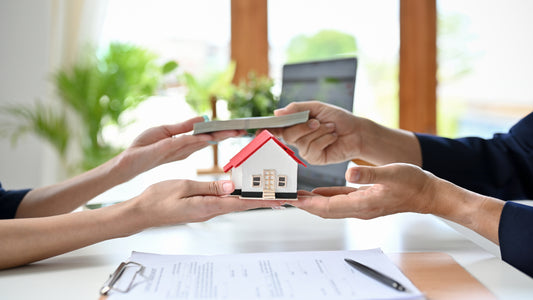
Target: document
[[252, 123], [278, 275]]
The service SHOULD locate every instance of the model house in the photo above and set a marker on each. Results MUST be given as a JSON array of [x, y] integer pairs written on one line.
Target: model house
[[265, 169]]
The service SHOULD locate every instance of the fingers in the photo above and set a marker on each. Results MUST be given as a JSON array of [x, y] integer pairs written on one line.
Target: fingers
[[312, 145], [304, 193], [293, 107], [177, 201], [327, 202], [188, 125], [222, 135], [334, 190], [224, 188], [314, 204], [293, 133], [407, 174], [211, 188], [221, 205], [310, 138], [318, 152], [191, 143], [245, 204], [182, 146], [182, 127], [312, 106]]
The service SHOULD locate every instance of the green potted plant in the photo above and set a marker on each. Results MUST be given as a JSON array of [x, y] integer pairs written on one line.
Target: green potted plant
[[202, 96], [44, 121], [253, 98], [204, 92], [96, 91]]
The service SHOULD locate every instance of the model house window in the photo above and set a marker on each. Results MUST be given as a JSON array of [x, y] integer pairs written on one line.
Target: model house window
[[282, 181], [256, 180]]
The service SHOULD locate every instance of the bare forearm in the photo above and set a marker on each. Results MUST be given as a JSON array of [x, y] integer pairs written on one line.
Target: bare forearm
[[382, 145], [477, 212], [68, 195], [164, 203], [29, 240]]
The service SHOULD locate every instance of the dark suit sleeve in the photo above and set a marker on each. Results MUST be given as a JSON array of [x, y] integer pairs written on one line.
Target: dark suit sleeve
[[500, 167], [9, 202], [516, 236]]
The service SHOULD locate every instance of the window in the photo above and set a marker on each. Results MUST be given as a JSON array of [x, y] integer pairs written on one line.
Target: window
[[185, 31], [282, 181], [256, 180], [198, 38], [484, 63], [375, 27]]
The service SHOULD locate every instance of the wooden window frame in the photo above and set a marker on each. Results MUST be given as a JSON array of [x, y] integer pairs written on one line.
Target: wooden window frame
[[418, 55], [418, 65], [249, 37]]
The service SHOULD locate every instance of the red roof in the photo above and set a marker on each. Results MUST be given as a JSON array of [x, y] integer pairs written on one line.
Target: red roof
[[254, 145]]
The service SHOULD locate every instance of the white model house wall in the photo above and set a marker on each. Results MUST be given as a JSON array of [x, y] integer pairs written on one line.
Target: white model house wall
[[269, 156], [236, 177]]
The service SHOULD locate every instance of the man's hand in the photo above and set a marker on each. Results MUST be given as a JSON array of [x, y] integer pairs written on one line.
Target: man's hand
[[330, 136]]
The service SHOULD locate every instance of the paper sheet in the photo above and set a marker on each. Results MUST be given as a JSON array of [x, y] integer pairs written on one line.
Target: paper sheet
[[281, 275]]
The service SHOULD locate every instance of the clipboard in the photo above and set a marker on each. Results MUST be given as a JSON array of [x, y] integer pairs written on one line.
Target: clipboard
[[116, 275], [437, 275]]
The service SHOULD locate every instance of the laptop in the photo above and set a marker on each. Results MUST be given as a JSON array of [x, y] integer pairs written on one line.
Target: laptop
[[330, 81]]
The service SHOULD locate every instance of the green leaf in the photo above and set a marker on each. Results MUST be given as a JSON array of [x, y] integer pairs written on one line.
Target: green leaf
[[98, 88], [44, 122], [200, 91], [169, 67], [102, 86], [253, 98]]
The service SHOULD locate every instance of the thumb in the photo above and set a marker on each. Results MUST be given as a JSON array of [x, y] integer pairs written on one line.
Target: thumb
[[214, 188], [183, 127], [367, 175], [295, 107], [284, 111]]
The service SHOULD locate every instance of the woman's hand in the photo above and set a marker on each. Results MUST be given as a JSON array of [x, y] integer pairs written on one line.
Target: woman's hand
[[184, 201], [170, 202], [155, 146], [167, 143]]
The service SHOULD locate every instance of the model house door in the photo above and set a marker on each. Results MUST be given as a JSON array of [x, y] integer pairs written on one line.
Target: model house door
[[269, 186]]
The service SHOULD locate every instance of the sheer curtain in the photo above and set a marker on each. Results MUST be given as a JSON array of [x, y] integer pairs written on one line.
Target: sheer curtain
[[74, 25]]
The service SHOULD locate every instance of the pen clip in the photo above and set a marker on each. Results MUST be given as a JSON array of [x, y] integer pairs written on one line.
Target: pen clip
[[115, 276]]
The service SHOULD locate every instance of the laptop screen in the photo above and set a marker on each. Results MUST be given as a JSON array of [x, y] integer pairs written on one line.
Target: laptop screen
[[330, 81]]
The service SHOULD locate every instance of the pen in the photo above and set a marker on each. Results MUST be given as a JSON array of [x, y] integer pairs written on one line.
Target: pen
[[376, 275]]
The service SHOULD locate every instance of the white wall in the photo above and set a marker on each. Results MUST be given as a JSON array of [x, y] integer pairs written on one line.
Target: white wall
[[25, 77]]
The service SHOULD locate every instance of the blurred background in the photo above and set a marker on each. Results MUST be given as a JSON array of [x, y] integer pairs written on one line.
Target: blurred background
[[148, 63]]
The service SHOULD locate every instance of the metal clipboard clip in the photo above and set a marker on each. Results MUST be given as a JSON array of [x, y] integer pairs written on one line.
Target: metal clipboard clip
[[115, 276]]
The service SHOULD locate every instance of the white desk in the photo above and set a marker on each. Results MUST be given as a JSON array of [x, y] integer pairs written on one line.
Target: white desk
[[79, 274]]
